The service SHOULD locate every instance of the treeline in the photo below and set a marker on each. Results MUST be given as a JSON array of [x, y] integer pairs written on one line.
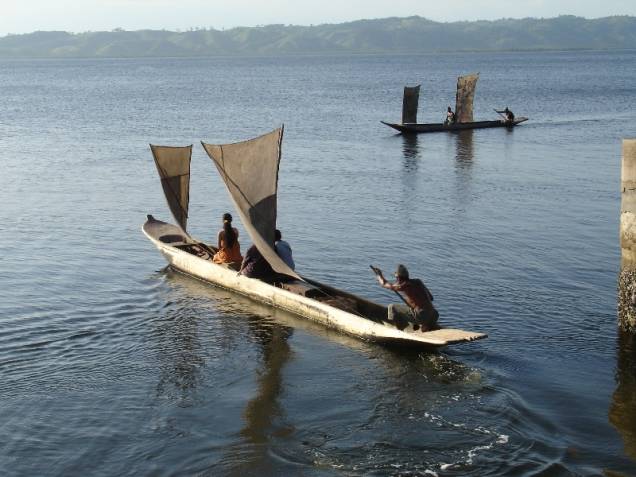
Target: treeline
[[390, 35]]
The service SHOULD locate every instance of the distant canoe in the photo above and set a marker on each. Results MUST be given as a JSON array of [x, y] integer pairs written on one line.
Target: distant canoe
[[464, 98], [437, 127]]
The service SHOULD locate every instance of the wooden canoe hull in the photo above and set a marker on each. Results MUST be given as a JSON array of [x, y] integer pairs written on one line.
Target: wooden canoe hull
[[438, 127], [167, 238]]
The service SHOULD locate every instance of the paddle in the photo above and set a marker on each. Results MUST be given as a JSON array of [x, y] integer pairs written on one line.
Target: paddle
[[500, 113]]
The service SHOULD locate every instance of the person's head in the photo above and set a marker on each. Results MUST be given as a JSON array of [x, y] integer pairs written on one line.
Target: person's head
[[230, 236], [449, 109], [277, 235], [401, 273], [506, 110]]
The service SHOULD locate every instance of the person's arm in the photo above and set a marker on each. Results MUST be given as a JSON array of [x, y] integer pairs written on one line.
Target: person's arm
[[384, 283], [219, 238]]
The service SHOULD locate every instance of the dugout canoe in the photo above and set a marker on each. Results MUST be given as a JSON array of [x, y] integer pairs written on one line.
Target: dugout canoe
[[310, 299], [249, 170], [437, 127], [464, 98]]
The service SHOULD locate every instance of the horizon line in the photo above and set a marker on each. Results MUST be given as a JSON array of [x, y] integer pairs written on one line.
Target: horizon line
[[312, 25]]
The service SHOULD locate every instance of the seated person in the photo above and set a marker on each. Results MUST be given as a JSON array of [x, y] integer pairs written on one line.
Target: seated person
[[227, 240], [450, 116], [254, 265], [420, 300], [284, 250], [510, 117]]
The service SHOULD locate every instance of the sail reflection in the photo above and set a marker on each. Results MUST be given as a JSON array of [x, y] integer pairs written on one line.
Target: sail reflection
[[622, 412], [180, 353], [263, 408], [410, 146], [410, 181], [464, 154], [464, 151], [411, 152], [263, 416]]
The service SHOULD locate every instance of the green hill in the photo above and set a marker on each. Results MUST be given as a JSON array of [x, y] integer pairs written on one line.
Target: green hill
[[389, 35]]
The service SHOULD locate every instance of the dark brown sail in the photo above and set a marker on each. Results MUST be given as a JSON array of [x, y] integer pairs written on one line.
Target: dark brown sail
[[464, 99], [173, 164], [410, 103], [250, 172]]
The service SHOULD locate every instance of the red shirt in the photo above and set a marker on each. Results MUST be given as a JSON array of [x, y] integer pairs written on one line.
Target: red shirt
[[417, 295]]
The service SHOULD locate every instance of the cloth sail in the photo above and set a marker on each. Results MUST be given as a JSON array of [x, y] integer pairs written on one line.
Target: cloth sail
[[173, 164], [250, 172], [464, 99], [410, 104]]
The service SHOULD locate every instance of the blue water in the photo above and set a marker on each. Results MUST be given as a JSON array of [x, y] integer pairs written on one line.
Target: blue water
[[113, 365]]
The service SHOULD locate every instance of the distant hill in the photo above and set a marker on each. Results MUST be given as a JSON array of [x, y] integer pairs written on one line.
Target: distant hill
[[389, 35]]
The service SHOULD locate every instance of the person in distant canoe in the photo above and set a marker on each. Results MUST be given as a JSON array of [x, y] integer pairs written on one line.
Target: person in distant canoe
[[450, 116], [510, 117], [254, 265], [283, 249], [417, 295], [227, 241]]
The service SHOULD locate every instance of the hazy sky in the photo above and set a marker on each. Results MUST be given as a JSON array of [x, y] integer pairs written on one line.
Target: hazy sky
[[23, 16]]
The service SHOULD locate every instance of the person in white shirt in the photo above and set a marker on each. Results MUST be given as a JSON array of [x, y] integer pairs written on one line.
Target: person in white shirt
[[450, 116]]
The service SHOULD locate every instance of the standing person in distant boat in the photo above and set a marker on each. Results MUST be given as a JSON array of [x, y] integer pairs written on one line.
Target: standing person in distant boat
[[283, 249], [450, 116], [227, 242], [417, 296], [510, 117]]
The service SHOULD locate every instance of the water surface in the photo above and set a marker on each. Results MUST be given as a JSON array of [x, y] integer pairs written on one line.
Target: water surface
[[113, 365]]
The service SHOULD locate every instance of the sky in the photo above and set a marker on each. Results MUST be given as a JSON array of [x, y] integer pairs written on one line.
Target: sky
[[25, 16]]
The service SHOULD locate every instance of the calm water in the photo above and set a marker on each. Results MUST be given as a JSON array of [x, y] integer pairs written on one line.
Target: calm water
[[113, 365]]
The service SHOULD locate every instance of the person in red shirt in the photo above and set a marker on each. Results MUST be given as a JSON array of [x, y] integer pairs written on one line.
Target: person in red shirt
[[417, 296]]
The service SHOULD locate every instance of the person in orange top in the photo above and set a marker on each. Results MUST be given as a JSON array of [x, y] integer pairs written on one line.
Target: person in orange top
[[417, 296], [227, 240]]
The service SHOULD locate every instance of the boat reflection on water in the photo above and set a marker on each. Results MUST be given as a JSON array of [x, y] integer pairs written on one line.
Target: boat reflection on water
[[410, 182], [463, 143], [263, 416], [222, 327], [622, 412], [464, 151], [410, 149], [464, 154], [179, 353]]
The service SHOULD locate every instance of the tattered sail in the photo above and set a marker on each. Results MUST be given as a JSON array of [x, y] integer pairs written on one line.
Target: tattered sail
[[410, 103], [464, 100], [250, 172], [173, 164]]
